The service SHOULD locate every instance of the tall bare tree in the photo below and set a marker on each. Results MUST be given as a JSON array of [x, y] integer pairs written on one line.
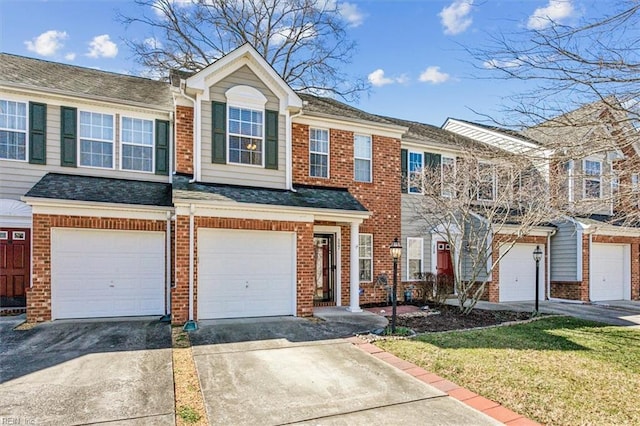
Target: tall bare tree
[[482, 205], [306, 41]]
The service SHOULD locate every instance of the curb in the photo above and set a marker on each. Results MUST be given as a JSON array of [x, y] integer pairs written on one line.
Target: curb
[[473, 400]]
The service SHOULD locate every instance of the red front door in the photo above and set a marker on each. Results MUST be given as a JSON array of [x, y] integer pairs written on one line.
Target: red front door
[[444, 266], [14, 266]]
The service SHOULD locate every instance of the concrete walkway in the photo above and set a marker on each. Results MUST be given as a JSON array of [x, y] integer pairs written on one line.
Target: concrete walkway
[[621, 313], [296, 371]]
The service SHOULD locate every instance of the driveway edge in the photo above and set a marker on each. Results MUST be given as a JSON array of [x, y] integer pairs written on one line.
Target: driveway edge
[[189, 402], [472, 399]]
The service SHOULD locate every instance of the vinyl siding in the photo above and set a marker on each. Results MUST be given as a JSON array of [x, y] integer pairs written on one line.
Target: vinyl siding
[[240, 174], [564, 253], [413, 227], [17, 177], [468, 258]]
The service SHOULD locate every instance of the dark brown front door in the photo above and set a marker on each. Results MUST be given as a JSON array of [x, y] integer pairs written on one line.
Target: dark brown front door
[[14, 266], [325, 268], [444, 259]]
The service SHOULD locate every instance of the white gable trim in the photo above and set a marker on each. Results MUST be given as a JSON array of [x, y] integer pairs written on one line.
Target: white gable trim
[[245, 55], [489, 137]]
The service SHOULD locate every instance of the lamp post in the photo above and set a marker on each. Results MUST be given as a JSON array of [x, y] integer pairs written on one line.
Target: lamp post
[[396, 251], [537, 255]]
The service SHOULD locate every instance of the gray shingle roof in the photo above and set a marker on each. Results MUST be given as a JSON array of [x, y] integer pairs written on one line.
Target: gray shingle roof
[[305, 196], [86, 82], [102, 190]]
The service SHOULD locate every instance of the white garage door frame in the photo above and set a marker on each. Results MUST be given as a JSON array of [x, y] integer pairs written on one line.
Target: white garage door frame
[[229, 253], [619, 269], [518, 267], [99, 273]]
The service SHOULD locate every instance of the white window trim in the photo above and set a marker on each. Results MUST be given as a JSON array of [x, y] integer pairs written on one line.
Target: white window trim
[[26, 131], [442, 194], [113, 141], [421, 154], [228, 134], [153, 144], [493, 181], [411, 258], [591, 177], [328, 153], [370, 159], [364, 258]]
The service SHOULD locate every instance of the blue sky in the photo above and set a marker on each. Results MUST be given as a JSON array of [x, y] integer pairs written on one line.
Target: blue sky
[[410, 50]]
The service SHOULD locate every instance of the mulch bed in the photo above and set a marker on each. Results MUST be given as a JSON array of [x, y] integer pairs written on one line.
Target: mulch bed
[[447, 318]]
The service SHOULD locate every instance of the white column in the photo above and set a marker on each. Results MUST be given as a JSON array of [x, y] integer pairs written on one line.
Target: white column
[[354, 282]]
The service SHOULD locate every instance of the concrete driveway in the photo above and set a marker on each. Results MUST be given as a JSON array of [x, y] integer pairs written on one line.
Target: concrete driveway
[[265, 371], [87, 372], [621, 313]]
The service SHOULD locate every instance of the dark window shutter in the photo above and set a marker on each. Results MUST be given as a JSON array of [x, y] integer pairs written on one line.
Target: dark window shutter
[[68, 136], [162, 147], [405, 168], [219, 133], [432, 160], [37, 133], [271, 140]]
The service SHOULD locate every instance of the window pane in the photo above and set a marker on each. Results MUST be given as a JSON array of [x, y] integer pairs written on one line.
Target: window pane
[[13, 145], [415, 268], [363, 170], [365, 270], [245, 136], [414, 249], [362, 146]]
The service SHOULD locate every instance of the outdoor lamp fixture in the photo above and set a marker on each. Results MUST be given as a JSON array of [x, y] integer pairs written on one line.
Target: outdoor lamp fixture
[[396, 251], [537, 256]]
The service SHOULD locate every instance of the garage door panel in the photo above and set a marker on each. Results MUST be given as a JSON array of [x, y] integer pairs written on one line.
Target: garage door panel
[[609, 273], [518, 274], [98, 273], [245, 273]]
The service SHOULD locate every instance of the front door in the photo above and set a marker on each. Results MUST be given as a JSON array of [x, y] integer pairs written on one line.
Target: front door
[[323, 245], [14, 266], [444, 265]]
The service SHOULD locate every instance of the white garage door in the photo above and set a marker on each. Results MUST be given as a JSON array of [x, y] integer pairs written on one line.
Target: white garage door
[[245, 273], [96, 273], [609, 272], [518, 274]]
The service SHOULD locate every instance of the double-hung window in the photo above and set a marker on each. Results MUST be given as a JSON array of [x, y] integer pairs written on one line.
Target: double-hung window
[[362, 158], [415, 172], [319, 153], [96, 139], [13, 130], [246, 136], [414, 258], [137, 144], [448, 176], [592, 179], [486, 182], [365, 255]]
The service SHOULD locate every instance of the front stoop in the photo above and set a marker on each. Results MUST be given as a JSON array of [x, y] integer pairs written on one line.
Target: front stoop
[[482, 404]]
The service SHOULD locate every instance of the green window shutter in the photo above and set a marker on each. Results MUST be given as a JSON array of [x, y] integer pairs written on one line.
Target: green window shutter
[[162, 147], [68, 136], [432, 160], [37, 133], [219, 132], [271, 140], [405, 168]]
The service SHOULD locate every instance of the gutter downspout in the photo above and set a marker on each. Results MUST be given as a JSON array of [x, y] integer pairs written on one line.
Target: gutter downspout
[[196, 120], [172, 167], [289, 150], [167, 306], [548, 271], [191, 325]]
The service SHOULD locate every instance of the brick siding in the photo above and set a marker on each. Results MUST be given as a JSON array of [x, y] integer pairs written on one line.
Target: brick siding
[[184, 139]]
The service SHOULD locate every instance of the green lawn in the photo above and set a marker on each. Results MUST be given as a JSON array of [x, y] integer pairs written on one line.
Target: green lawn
[[560, 371]]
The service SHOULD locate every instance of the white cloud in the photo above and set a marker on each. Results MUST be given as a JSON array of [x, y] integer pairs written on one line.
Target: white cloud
[[555, 11], [70, 56], [498, 63], [455, 17], [351, 14], [102, 47], [48, 43], [434, 75], [378, 79], [287, 33], [152, 43]]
